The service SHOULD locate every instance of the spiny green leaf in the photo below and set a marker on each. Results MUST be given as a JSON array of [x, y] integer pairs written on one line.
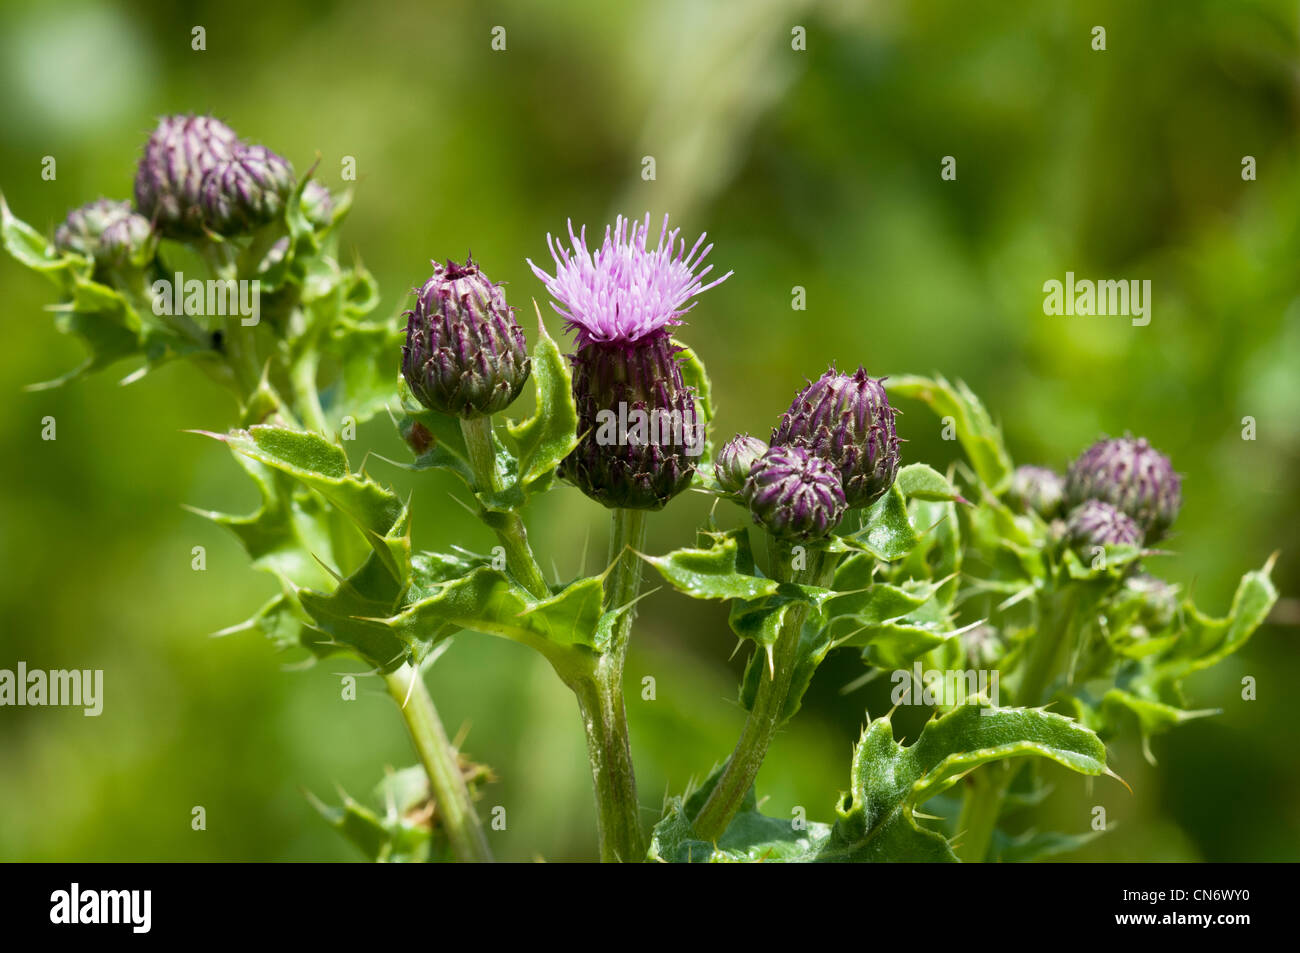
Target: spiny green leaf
[[551, 433], [920, 482], [721, 568], [980, 438], [323, 466], [877, 823], [886, 532]]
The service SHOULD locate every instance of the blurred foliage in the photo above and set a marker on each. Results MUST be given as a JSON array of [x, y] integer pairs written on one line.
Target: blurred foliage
[[817, 169]]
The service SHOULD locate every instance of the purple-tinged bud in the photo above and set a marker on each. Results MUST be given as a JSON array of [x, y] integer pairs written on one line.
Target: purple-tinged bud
[[734, 461], [168, 181], [1097, 523], [317, 204], [794, 494], [1038, 489], [640, 438], [465, 354], [245, 191], [106, 231], [846, 420], [1132, 475]]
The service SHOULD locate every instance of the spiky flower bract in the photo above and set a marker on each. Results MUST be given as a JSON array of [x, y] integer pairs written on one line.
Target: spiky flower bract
[[169, 179], [246, 191], [846, 419], [795, 494], [465, 354]]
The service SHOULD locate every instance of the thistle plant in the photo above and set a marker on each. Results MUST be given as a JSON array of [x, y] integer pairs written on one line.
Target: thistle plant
[[828, 539]]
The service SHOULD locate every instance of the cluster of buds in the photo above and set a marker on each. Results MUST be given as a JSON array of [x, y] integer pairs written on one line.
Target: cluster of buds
[[846, 420], [106, 232], [1131, 475], [795, 494], [198, 176], [465, 354], [835, 449]]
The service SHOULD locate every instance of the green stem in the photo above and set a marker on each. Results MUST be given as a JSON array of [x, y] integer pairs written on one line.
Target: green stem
[[1047, 657], [980, 809], [508, 525], [600, 699], [455, 809], [305, 395], [766, 715]]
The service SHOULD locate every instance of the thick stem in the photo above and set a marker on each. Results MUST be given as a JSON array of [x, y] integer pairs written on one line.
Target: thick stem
[[600, 699], [455, 809], [770, 697], [508, 525], [982, 802], [981, 806]]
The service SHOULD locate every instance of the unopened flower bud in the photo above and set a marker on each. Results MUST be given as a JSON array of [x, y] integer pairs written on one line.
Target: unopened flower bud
[[1132, 475], [794, 494], [738, 455], [640, 436], [105, 231], [1159, 600], [317, 204], [1038, 489], [465, 354], [1097, 523], [245, 191], [846, 420], [168, 182]]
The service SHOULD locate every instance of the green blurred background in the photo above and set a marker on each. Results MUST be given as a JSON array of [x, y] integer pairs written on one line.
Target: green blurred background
[[817, 169]]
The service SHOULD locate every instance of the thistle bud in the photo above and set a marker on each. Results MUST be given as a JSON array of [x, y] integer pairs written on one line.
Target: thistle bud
[[734, 461], [317, 204], [465, 354], [1132, 475], [640, 437], [169, 178], [1038, 489], [107, 232], [1159, 600], [1097, 523], [794, 494], [245, 191], [848, 422]]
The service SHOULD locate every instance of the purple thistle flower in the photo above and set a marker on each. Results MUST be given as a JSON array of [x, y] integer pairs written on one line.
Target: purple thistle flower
[[1132, 475], [625, 290], [794, 494]]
